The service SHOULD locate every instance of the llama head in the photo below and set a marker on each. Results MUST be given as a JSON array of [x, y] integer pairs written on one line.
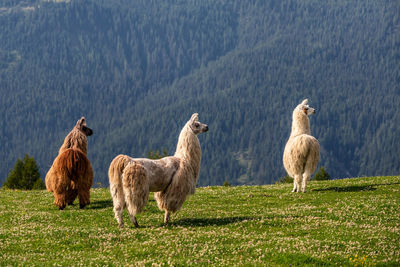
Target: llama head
[[196, 126], [305, 108], [81, 126]]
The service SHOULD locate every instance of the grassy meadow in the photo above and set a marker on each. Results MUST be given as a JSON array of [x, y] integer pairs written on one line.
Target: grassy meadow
[[349, 222]]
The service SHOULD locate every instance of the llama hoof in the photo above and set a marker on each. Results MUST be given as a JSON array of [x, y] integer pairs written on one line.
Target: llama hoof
[[81, 206], [121, 225], [166, 218], [136, 225], [61, 208]]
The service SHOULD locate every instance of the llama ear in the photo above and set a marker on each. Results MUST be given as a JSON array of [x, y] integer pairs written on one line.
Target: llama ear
[[81, 122], [305, 101], [195, 117]]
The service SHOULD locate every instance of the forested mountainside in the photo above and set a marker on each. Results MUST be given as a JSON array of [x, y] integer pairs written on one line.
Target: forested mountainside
[[138, 69]]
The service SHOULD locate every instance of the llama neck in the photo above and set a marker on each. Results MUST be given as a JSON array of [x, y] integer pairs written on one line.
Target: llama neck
[[300, 124], [75, 139], [189, 151]]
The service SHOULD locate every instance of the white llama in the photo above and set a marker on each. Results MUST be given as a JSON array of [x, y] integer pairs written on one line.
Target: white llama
[[301, 154], [172, 178]]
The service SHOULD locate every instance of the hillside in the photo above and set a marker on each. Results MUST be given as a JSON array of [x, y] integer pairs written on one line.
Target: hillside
[[138, 69], [350, 222]]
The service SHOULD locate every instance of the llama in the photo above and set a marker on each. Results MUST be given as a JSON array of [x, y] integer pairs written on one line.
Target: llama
[[71, 174], [301, 154], [173, 178]]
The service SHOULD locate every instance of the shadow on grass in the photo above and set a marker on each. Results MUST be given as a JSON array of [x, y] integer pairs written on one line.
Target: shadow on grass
[[201, 222], [353, 188], [101, 204]]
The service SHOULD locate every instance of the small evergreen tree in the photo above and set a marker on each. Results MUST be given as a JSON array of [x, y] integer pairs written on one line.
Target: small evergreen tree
[[322, 175], [13, 180], [25, 175], [30, 172]]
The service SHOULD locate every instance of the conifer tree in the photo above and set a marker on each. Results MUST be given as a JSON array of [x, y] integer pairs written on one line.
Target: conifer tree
[[322, 175], [25, 175], [13, 180]]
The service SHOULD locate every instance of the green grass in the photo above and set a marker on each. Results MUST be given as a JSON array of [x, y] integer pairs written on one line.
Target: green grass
[[343, 222]]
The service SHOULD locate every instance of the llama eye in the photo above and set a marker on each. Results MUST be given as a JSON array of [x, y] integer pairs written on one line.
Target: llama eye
[[196, 125]]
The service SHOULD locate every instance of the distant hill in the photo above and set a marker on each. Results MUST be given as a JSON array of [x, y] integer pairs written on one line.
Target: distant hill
[[137, 70]]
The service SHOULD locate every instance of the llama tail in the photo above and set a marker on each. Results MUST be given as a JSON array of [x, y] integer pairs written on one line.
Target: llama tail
[[66, 169], [75, 164], [312, 157], [115, 171], [136, 188]]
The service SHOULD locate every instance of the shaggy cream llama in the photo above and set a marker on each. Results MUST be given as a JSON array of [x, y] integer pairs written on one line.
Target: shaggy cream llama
[[301, 154], [172, 178]]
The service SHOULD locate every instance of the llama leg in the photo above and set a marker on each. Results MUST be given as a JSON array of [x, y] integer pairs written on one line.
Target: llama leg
[[132, 210], [61, 183], [71, 196], [136, 198], [135, 187], [83, 184], [296, 183], [294, 186], [118, 214], [134, 221], [118, 203], [60, 200], [118, 210], [162, 205], [311, 165], [132, 214], [84, 197], [306, 177], [166, 217]]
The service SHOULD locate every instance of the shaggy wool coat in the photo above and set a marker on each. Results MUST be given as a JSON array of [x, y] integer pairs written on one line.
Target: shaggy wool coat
[[172, 178], [302, 151], [71, 174]]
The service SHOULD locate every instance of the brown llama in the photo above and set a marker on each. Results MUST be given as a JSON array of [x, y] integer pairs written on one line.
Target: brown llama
[[172, 178], [71, 174]]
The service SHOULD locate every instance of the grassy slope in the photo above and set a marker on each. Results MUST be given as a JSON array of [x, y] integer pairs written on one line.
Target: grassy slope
[[341, 222]]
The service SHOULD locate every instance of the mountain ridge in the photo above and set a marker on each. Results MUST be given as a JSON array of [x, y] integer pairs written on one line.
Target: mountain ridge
[[243, 66]]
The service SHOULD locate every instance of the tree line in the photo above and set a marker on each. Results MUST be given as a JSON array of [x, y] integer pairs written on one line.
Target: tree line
[[137, 70]]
